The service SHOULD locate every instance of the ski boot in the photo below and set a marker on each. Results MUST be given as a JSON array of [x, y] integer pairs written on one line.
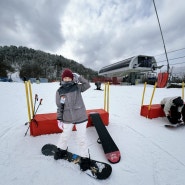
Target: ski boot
[[87, 163], [84, 164]]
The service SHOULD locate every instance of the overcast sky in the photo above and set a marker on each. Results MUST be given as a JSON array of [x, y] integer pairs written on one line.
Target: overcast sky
[[94, 33]]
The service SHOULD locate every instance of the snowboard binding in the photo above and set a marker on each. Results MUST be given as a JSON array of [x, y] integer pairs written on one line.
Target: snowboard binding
[[87, 163], [60, 154]]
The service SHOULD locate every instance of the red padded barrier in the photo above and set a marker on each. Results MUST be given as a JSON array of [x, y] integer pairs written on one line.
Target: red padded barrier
[[47, 123], [154, 112]]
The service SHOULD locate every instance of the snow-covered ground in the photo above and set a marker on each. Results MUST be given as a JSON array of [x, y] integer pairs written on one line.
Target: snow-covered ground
[[151, 154]]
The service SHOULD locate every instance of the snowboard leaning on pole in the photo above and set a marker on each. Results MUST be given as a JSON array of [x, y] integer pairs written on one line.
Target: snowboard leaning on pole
[[98, 170], [111, 151]]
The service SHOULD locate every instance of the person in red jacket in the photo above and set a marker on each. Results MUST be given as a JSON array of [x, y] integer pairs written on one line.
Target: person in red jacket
[[71, 111]]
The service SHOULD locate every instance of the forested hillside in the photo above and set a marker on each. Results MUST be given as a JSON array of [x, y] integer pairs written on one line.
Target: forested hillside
[[38, 64]]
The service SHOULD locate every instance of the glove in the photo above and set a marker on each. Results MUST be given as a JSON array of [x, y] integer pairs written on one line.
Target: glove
[[171, 120], [60, 124], [75, 77]]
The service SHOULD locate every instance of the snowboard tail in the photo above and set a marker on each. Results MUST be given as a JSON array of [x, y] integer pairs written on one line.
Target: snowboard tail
[[99, 170], [111, 150], [175, 125]]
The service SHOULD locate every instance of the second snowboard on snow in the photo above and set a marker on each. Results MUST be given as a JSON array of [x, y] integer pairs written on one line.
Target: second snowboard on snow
[[111, 150]]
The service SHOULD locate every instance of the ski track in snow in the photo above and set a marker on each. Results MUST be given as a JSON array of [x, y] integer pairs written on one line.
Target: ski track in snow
[[156, 150], [157, 145]]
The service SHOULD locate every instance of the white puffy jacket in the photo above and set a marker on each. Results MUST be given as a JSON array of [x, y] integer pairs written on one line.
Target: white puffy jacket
[[168, 102]]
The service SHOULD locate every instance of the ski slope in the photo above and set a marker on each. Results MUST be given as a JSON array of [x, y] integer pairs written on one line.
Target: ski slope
[[150, 153]]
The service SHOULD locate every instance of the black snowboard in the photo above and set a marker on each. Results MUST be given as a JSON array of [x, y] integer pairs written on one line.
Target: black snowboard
[[99, 171], [111, 151], [175, 125]]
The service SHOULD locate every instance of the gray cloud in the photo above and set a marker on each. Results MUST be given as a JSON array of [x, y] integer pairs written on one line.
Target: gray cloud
[[94, 33], [32, 23]]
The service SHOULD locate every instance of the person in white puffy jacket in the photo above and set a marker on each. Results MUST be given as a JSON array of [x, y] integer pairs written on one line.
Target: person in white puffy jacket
[[174, 109]]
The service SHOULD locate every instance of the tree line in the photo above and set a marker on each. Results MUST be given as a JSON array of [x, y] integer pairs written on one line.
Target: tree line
[[38, 64]]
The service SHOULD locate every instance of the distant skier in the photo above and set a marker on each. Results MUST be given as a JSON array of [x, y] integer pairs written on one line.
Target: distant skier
[[98, 85], [71, 111], [38, 80], [174, 109]]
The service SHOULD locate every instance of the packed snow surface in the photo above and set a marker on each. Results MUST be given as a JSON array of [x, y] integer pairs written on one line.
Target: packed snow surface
[[150, 153]]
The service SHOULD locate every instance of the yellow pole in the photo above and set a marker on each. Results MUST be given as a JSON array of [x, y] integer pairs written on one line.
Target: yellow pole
[[152, 96], [108, 97], [183, 90], [31, 98], [143, 93], [105, 95], [27, 100]]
